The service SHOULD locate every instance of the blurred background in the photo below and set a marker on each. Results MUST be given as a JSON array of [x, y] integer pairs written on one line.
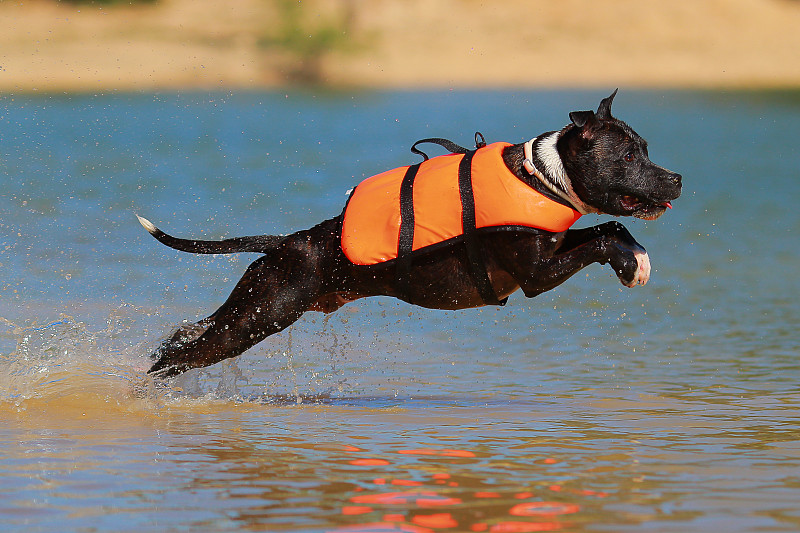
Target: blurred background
[[50, 45], [668, 408]]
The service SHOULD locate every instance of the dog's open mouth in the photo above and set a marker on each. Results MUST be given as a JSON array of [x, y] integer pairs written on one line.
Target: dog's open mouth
[[644, 209]]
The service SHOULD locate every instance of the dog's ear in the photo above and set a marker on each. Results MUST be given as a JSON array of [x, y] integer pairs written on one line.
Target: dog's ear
[[583, 118], [586, 122], [604, 110]]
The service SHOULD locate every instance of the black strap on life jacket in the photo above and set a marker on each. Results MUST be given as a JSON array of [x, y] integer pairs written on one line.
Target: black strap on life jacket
[[406, 240], [477, 263], [475, 258]]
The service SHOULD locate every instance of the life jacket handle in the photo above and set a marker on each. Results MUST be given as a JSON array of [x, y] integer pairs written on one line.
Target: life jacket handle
[[448, 145]]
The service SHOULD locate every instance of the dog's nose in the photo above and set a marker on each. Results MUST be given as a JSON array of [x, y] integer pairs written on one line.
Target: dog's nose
[[675, 178]]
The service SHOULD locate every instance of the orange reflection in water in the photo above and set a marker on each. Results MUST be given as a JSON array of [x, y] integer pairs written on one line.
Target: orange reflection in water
[[409, 511]]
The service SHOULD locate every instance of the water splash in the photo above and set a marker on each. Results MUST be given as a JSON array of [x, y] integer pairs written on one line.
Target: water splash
[[65, 363]]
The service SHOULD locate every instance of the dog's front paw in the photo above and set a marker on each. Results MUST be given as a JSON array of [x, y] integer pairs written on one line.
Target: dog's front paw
[[642, 274], [631, 263]]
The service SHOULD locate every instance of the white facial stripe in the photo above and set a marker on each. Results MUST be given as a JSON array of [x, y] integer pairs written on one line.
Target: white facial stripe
[[554, 169], [555, 176]]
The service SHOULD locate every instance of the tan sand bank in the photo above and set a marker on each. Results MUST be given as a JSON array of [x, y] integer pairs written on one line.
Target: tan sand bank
[[51, 46]]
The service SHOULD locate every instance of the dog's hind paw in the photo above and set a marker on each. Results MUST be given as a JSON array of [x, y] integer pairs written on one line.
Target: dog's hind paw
[[165, 367]]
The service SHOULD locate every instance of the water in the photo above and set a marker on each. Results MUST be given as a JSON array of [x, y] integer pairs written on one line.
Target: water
[[670, 407]]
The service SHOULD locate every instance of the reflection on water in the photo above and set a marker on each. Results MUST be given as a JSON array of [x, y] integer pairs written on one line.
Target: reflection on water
[[671, 407], [97, 444], [651, 462]]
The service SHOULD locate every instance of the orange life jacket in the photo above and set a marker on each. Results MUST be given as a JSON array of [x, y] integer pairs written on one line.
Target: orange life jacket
[[371, 230]]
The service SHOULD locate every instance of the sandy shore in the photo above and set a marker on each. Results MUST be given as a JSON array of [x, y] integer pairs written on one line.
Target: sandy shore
[[52, 46]]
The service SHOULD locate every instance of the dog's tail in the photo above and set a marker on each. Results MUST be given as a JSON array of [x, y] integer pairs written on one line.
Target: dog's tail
[[259, 244]]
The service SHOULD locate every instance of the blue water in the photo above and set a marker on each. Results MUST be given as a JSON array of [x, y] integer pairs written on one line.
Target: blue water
[[678, 400]]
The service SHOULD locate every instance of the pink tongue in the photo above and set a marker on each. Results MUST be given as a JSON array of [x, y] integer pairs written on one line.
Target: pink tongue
[[667, 205]]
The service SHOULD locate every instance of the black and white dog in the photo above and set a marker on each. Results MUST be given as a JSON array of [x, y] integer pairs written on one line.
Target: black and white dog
[[595, 164]]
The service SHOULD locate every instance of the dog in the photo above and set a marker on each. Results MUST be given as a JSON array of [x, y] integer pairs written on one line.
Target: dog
[[595, 164]]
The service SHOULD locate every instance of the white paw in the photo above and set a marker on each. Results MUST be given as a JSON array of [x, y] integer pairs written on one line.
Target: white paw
[[642, 275]]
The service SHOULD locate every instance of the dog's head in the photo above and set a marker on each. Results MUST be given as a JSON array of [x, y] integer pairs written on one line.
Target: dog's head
[[609, 167]]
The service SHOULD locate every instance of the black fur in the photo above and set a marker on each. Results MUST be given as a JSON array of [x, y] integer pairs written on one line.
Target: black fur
[[609, 171]]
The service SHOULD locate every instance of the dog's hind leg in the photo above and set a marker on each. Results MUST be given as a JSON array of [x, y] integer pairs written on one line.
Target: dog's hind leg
[[273, 293]]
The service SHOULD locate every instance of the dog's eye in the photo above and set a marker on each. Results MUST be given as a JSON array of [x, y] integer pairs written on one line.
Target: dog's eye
[[630, 156]]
